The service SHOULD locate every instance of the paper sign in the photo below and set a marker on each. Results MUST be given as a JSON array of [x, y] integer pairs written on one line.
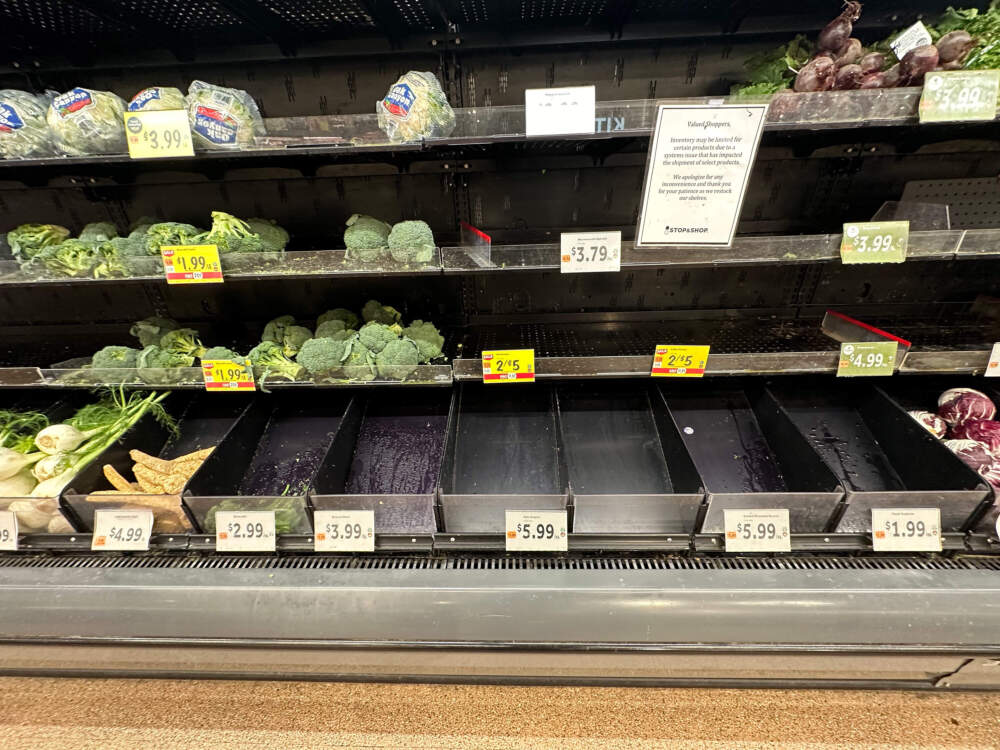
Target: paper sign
[[8, 530], [536, 531], [509, 366], [906, 529], [344, 530], [561, 111], [226, 376], [757, 530], [245, 531], [120, 530], [671, 361], [867, 358], [915, 36], [155, 135], [959, 95], [875, 242], [993, 367], [590, 252], [191, 264], [700, 159]]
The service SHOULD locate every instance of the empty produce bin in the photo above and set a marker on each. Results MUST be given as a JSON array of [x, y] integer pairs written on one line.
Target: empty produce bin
[[749, 455], [627, 466], [203, 420], [387, 458], [269, 459], [502, 454]]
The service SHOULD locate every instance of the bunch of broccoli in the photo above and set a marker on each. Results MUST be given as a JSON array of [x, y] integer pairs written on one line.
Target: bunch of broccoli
[[370, 240], [165, 346]]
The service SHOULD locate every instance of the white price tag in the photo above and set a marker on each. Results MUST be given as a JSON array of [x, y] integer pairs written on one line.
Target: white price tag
[[8, 530], [906, 529], [761, 530], [120, 530], [344, 530], [993, 367], [590, 252], [536, 531], [569, 110], [244, 531], [915, 36]]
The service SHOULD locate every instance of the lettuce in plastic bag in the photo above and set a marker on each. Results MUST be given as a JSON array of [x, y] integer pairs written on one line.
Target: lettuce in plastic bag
[[24, 134], [415, 107], [85, 121], [221, 117], [157, 98]]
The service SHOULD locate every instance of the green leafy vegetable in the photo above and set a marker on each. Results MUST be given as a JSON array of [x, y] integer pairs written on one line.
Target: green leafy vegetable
[[27, 240], [24, 133], [86, 121]]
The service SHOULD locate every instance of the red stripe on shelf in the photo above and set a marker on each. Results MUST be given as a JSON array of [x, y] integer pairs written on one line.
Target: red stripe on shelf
[[867, 327]]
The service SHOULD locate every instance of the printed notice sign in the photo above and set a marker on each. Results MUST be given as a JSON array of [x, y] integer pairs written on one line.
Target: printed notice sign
[[700, 158], [559, 111]]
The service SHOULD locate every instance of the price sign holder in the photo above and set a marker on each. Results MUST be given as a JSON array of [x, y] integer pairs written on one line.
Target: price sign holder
[[156, 135], [536, 531], [867, 359], [245, 531], [672, 361], [192, 264], [222, 375], [906, 529], [344, 530], [560, 111], [121, 530], [959, 96], [8, 531], [762, 530], [874, 242], [509, 366], [590, 252], [993, 366]]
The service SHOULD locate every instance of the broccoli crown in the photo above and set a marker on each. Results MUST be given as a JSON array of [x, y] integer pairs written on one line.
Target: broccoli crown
[[397, 359], [28, 239], [156, 357], [100, 231], [339, 313], [275, 329], [411, 242], [115, 357], [294, 338], [142, 224], [329, 328], [231, 235], [273, 238], [222, 352], [169, 233], [269, 357], [183, 341], [375, 311], [150, 330], [322, 356], [359, 363], [376, 335], [366, 238], [69, 258], [427, 338]]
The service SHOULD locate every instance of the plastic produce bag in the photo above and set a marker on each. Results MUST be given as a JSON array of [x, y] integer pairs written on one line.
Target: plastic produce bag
[[415, 108], [85, 121], [157, 98], [24, 133], [221, 117]]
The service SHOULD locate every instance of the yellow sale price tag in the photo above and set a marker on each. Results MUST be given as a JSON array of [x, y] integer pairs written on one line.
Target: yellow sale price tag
[[509, 366], [155, 135], [223, 375], [192, 264], [670, 361]]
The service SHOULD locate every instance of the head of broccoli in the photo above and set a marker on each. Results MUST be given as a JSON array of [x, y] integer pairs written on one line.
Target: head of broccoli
[[99, 231], [294, 338], [340, 313], [275, 329], [322, 357], [366, 238], [158, 365], [222, 352], [376, 335], [231, 235], [168, 233], [183, 341], [69, 258], [115, 256], [112, 357], [28, 239], [379, 313], [397, 359], [270, 360], [427, 338], [274, 238], [330, 328], [149, 331], [359, 360], [411, 242]]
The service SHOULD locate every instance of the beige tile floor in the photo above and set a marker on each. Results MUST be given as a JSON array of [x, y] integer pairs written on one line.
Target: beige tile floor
[[164, 714]]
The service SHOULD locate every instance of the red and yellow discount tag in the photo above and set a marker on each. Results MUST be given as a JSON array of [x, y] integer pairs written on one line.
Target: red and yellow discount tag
[[223, 375], [687, 361], [509, 366], [192, 264]]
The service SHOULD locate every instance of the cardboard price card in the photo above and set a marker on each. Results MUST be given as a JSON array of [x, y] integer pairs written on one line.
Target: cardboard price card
[[155, 135], [757, 530], [509, 366], [192, 264], [590, 252], [993, 366], [245, 531], [8, 530], [344, 530], [875, 242], [867, 358], [536, 531], [120, 530], [906, 529], [224, 375], [670, 361], [959, 95]]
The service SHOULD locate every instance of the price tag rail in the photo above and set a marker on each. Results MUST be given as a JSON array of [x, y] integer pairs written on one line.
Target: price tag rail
[[473, 542], [833, 542]]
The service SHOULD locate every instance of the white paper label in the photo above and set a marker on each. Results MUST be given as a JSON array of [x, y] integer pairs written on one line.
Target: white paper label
[[906, 529], [590, 252], [915, 36], [8, 530], [700, 159], [569, 110], [761, 530], [536, 531], [993, 367], [344, 530], [244, 531], [121, 530]]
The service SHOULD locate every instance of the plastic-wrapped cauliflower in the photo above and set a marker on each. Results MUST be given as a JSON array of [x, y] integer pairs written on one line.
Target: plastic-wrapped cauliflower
[[157, 98], [85, 121], [221, 117], [24, 133], [415, 107]]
